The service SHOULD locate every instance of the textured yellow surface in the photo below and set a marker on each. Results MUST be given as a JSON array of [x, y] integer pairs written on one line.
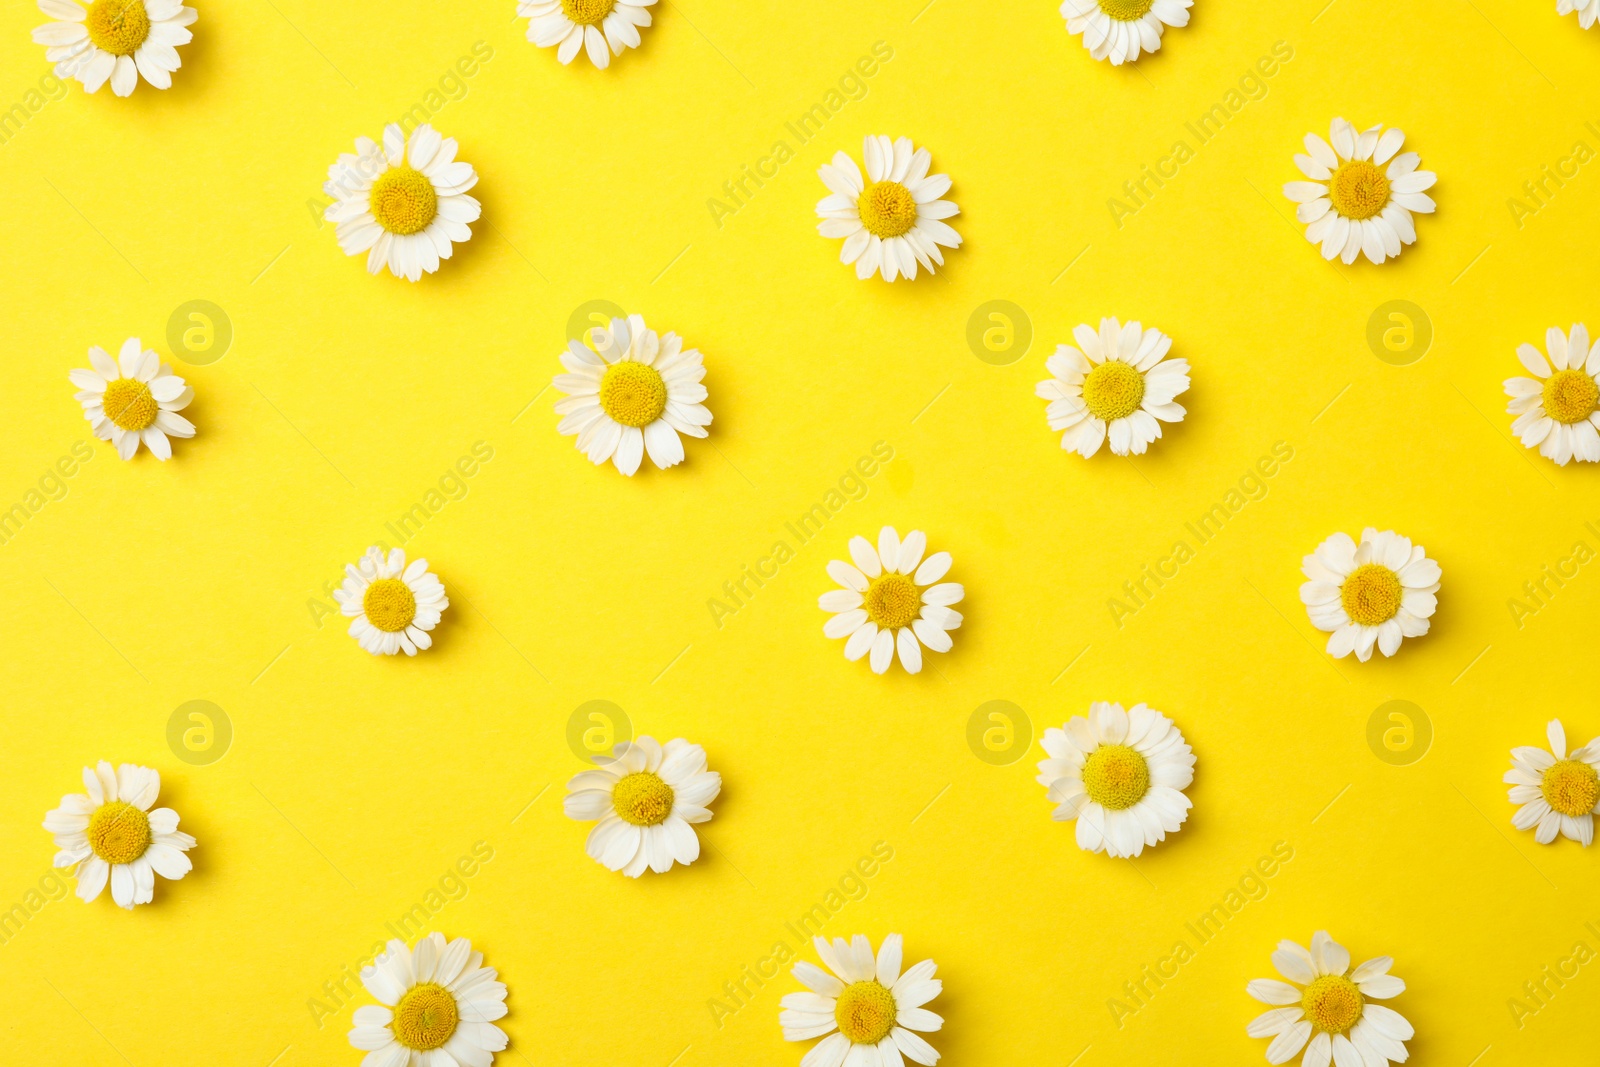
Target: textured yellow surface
[[353, 786]]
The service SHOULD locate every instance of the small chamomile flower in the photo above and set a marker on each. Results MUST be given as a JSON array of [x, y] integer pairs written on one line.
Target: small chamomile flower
[[1327, 1008], [118, 41], [133, 398], [111, 834], [599, 27], [1558, 408], [645, 803], [866, 1010], [391, 606], [1119, 30], [1361, 194], [894, 220], [1119, 385], [1371, 594], [892, 601], [1559, 790], [437, 1005]]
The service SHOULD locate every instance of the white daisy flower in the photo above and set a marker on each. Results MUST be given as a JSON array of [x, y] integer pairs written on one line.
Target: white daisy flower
[[592, 25], [1558, 408], [1588, 10], [1119, 384], [136, 401], [634, 396], [1558, 791], [868, 1011], [110, 833], [896, 221], [115, 40], [1121, 774], [1328, 1010], [1374, 593], [646, 802], [404, 202], [1361, 193], [892, 600], [1118, 29], [437, 1006], [391, 606]]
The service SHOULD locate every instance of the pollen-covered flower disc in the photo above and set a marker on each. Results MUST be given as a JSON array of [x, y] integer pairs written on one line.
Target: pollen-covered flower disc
[[111, 834], [1361, 194], [391, 604], [437, 1006], [1558, 409], [892, 601], [645, 803], [1559, 791], [132, 399], [118, 41], [1369, 595], [894, 219], [866, 1010], [1329, 1009]]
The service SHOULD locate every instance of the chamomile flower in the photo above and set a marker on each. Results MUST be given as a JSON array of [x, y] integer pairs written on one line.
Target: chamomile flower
[[110, 833], [645, 803], [1559, 791], [404, 202], [1117, 383], [133, 398], [1119, 29], [1327, 1009], [1121, 775], [1588, 10], [866, 1010], [115, 40], [892, 601], [1362, 193], [894, 220], [437, 1005], [599, 27], [391, 606], [632, 395], [1374, 593], [1558, 408]]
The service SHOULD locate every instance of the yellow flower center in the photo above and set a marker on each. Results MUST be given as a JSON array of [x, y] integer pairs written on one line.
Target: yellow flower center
[[1371, 594], [1127, 10], [118, 26], [403, 200], [1332, 1003], [1571, 787], [587, 12], [892, 601], [1358, 189], [865, 1012], [1570, 396], [632, 393], [887, 209], [1113, 390], [129, 405], [642, 799], [389, 605], [119, 832], [425, 1017], [1116, 777]]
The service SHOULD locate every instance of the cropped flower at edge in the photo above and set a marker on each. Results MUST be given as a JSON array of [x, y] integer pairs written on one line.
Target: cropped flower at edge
[[1328, 1009], [866, 1010], [1118, 385], [1118, 29], [599, 27], [1558, 409], [133, 398], [1361, 194], [645, 803], [391, 606], [892, 601], [115, 40], [437, 1006], [111, 834], [892, 221], [1588, 11], [1371, 594], [1559, 790]]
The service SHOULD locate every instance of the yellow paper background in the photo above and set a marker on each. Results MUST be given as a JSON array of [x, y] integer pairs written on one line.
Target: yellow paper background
[[354, 784]]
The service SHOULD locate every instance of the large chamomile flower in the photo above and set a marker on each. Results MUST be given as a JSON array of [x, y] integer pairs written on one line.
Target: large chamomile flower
[[115, 40], [646, 801], [895, 220], [403, 202], [111, 834], [592, 25], [437, 1006], [1588, 10], [1558, 408], [1559, 791], [1328, 1010], [1119, 29], [133, 398], [391, 606], [633, 395], [1118, 385], [867, 1007], [1121, 774], [1374, 593], [1361, 194], [892, 600]]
